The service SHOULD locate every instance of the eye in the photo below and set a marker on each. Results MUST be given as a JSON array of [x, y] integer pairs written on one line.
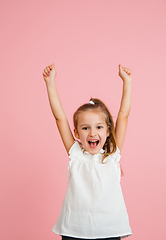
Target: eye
[[85, 128], [99, 127]]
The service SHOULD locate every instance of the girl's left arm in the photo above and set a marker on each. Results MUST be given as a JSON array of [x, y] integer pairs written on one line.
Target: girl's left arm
[[122, 119]]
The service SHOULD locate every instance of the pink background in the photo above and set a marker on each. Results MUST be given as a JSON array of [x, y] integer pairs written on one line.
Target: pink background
[[86, 40]]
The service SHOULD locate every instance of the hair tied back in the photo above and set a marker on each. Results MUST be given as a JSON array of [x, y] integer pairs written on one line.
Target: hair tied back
[[91, 102]]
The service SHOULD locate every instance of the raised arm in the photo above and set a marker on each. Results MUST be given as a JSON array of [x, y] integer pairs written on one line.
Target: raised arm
[[49, 75], [122, 119]]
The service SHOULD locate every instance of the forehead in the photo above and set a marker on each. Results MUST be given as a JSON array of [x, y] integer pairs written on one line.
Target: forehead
[[91, 116]]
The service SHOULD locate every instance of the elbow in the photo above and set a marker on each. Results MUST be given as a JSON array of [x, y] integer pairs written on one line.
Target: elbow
[[123, 114]]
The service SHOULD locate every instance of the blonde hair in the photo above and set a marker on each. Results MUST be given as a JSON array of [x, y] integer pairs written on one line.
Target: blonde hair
[[110, 144]]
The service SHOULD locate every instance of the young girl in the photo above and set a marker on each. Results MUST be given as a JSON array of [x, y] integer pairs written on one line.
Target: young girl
[[93, 207]]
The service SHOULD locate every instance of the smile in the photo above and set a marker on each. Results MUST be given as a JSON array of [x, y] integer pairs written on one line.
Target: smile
[[93, 143]]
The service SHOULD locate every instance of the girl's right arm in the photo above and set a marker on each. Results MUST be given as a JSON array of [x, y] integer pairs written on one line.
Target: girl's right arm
[[49, 75]]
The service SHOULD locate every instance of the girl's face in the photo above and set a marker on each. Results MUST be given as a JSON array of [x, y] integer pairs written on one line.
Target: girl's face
[[92, 130]]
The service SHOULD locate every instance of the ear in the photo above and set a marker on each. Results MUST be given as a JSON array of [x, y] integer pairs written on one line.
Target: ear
[[108, 131], [76, 133]]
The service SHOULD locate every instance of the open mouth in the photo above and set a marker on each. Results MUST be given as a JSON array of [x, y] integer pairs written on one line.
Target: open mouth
[[93, 143]]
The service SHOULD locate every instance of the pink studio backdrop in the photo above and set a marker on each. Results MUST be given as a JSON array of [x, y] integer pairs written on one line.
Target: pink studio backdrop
[[86, 40]]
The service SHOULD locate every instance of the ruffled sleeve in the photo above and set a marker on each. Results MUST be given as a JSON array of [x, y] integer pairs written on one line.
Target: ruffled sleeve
[[74, 153], [117, 155], [75, 150], [116, 161]]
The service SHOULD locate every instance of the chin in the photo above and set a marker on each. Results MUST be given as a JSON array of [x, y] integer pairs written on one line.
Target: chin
[[94, 151]]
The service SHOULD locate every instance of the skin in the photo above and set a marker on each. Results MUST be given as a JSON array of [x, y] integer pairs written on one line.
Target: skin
[[49, 75], [92, 127]]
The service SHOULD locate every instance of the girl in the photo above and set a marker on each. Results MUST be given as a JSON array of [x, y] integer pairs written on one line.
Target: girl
[[93, 207]]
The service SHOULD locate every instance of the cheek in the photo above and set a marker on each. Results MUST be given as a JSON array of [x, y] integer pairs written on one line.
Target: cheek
[[105, 135], [81, 135]]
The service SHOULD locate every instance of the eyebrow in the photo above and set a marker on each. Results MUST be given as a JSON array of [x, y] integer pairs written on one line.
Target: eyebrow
[[86, 124]]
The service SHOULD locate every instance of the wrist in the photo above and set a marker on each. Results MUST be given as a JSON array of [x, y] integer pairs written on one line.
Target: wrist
[[127, 82], [50, 83]]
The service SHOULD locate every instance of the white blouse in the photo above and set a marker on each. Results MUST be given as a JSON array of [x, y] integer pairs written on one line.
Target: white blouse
[[93, 206]]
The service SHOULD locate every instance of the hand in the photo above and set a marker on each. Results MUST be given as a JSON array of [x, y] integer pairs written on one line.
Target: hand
[[125, 74], [49, 73]]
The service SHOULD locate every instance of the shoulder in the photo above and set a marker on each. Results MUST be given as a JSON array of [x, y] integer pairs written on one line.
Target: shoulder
[[114, 156], [75, 150]]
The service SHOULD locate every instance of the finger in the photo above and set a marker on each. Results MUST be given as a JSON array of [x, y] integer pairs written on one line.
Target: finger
[[44, 74], [128, 71], [51, 66], [123, 68], [45, 71], [48, 69], [120, 67]]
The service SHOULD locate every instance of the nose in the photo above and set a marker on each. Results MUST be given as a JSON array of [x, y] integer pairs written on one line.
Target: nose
[[92, 133]]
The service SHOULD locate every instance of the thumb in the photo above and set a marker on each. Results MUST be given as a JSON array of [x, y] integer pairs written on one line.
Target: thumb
[[52, 66], [120, 67]]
